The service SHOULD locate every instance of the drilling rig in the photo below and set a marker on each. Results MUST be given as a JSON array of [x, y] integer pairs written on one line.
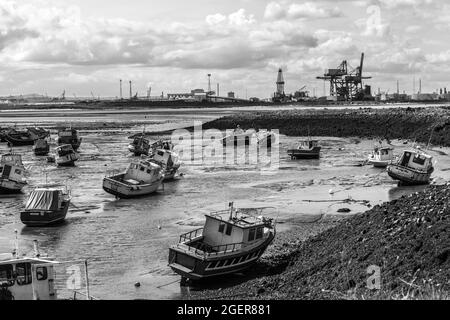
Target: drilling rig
[[347, 85]]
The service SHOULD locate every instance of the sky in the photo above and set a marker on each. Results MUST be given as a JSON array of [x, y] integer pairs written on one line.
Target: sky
[[83, 47]]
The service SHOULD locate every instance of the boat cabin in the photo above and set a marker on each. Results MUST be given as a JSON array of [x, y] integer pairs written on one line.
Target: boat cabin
[[308, 144], [385, 153], [416, 160], [26, 278], [64, 150], [166, 157], [142, 172], [11, 167]]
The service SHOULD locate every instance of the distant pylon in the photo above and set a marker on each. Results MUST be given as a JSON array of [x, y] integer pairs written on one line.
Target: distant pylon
[[209, 83], [131, 92], [121, 97]]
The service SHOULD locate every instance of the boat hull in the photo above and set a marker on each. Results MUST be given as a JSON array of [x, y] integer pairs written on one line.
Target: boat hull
[[170, 173], [67, 160], [137, 151], [196, 267], [304, 154], [11, 187], [41, 151], [18, 142], [75, 143], [408, 176], [127, 191], [44, 218]]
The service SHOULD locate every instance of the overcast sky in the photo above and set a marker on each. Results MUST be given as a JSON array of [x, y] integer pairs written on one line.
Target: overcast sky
[[84, 46]]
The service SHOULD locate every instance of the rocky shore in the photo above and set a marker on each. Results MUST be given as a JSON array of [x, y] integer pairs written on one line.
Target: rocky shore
[[415, 124], [407, 239]]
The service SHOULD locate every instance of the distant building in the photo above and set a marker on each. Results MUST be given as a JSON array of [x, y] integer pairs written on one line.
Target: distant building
[[231, 94]]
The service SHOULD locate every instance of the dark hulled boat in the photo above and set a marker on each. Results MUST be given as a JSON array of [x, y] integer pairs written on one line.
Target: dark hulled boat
[[69, 136], [308, 149], [41, 147], [230, 241], [46, 206], [25, 138]]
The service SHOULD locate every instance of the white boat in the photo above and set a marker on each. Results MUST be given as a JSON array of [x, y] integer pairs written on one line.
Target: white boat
[[168, 160], [12, 174], [381, 157], [65, 155], [142, 177], [413, 168], [230, 241], [241, 137], [32, 277]]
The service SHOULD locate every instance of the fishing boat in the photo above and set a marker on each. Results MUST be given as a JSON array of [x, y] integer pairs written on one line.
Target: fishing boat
[[69, 136], [168, 160], [12, 174], [65, 155], [241, 137], [140, 146], [142, 177], [46, 206], [25, 138], [230, 241], [25, 276], [307, 149], [381, 157], [414, 167], [41, 147]]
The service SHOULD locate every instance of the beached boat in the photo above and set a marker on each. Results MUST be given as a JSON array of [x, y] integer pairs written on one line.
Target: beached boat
[[230, 241], [142, 177], [69, 136], [168, 160], [25, 138], [381, 157], [241, 137], [46, 206], [413, 168], [33, 277], [307, 149], [65, 155], [41, 147], [139, 146], [12, 174]]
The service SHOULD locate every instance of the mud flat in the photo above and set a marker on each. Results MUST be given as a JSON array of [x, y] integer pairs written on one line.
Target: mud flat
[[408, 239], [415, 124]]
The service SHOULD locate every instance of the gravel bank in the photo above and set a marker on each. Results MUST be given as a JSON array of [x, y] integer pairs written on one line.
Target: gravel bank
[[396, 123], [409, 239]]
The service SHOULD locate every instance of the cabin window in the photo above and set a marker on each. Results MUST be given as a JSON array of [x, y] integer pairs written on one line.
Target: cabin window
[[221, 227], [17, 171], [229, 228], [41, 273], [6, 274], [259, 233], [160, 153], [1, 169], [419, 160], [23, 271], [142, 168], [251, 234], [149, 171]]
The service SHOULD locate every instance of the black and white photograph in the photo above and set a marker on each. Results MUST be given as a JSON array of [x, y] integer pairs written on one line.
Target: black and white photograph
[[204, 151]]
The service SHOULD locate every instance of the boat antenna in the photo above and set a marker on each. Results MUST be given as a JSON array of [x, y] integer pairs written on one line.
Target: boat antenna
[[16, 245], [230, 205]]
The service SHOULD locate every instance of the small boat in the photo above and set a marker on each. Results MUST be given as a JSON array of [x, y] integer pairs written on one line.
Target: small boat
[[139, 146], [34, 277], [230, 241], [46, 206], [168, 160], [142, 177], [65, 156], [69, 136], [307, 149], [12, 174], [41, 147], [241, 137], [381, 157], [413, 168], [25, 138]]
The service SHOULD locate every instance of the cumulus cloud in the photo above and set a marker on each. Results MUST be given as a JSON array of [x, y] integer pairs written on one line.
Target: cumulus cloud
[[306, 10]]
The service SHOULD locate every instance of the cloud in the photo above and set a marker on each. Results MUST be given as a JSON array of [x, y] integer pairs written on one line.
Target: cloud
[[306, 10]]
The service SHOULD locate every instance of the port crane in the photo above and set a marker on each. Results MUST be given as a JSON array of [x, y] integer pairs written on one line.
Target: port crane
[[346, 83]]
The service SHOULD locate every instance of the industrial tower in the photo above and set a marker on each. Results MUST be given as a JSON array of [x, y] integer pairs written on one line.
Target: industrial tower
[[345, 85], [279, 95]]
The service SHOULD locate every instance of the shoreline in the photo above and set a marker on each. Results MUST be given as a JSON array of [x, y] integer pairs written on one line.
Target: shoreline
[[409, 245]]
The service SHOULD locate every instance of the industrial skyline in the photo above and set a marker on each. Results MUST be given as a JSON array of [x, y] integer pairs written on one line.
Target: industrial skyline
[[84, 48]]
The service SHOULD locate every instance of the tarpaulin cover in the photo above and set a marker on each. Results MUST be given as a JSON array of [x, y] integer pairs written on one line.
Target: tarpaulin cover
[[43, 200]]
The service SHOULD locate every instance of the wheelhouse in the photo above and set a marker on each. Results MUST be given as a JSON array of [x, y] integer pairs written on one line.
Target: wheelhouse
[[416, 160]]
